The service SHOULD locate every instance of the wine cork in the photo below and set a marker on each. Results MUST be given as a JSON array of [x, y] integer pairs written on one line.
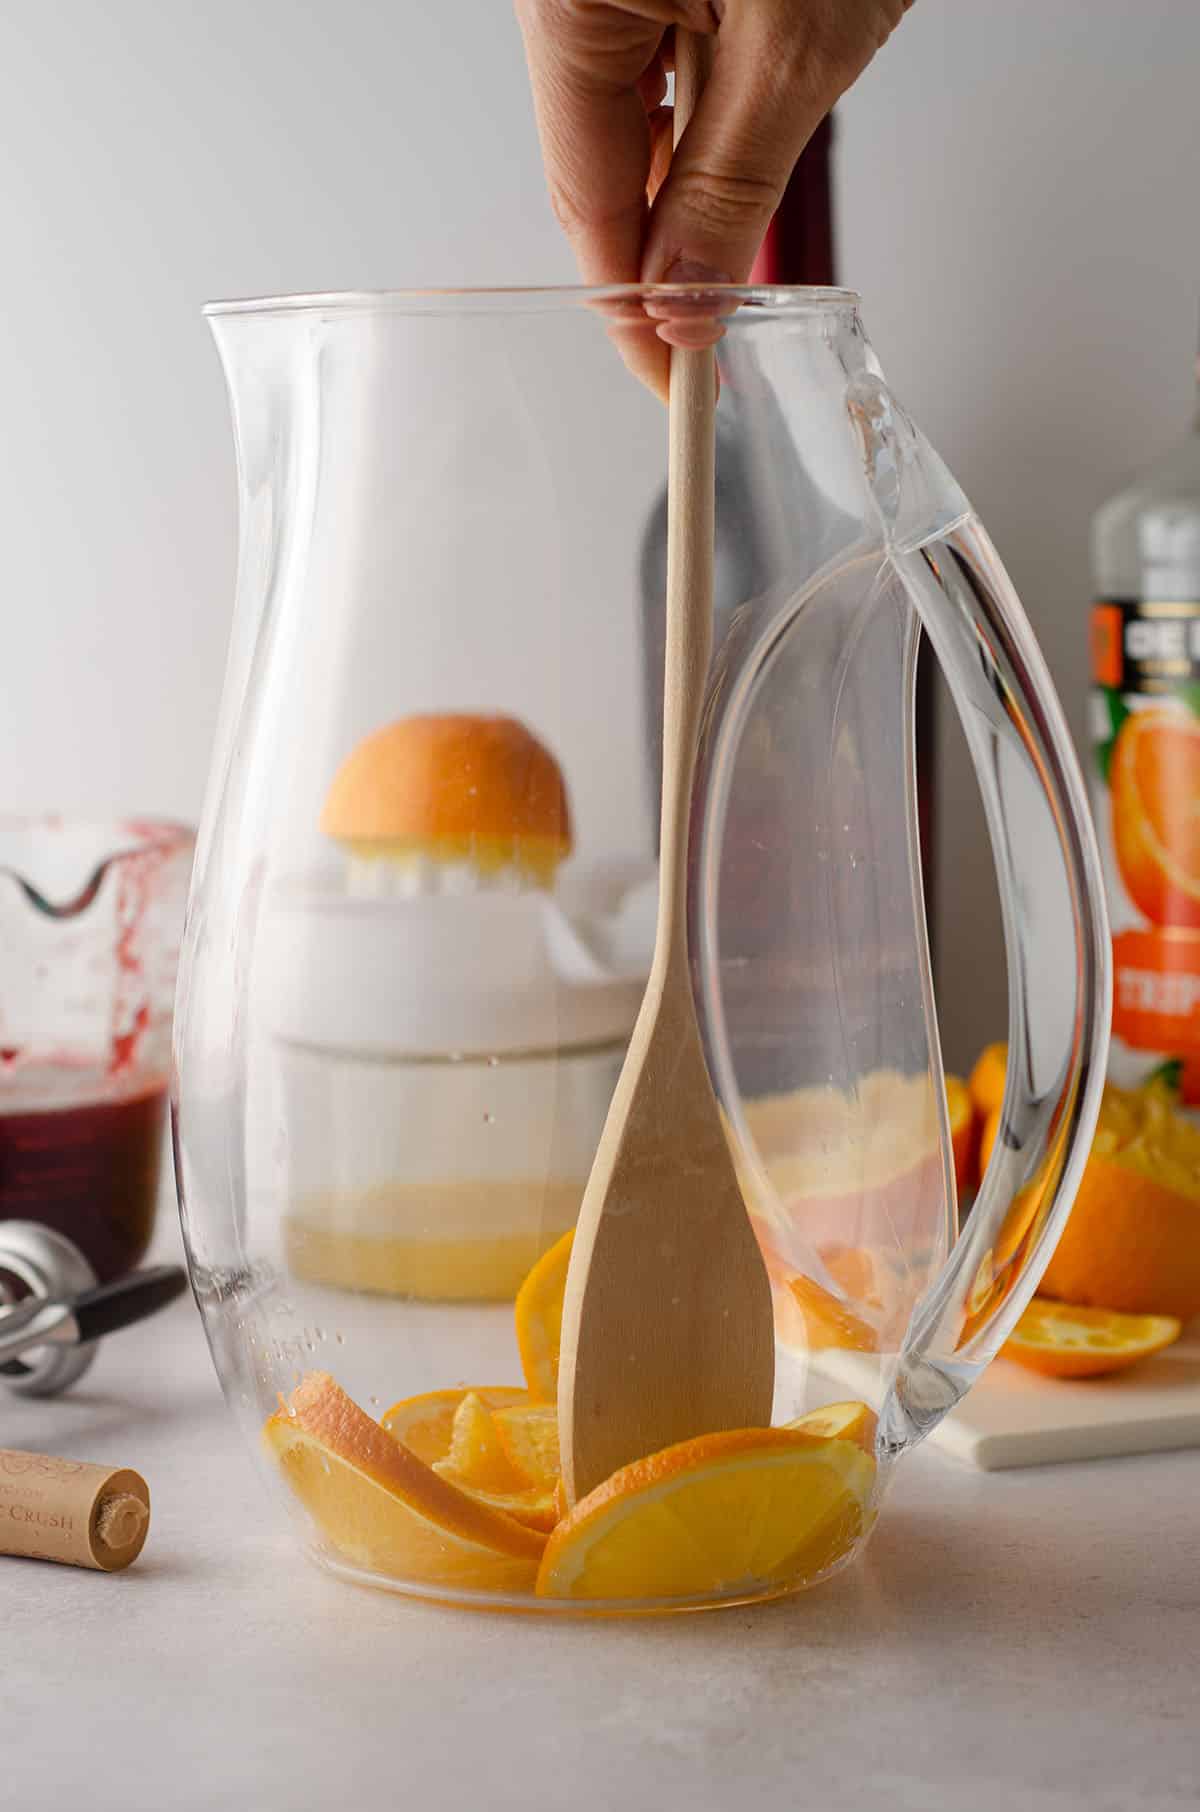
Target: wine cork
[[84, 1516]]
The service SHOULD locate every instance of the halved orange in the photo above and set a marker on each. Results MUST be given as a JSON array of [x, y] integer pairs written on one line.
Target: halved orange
[[1154, 782], [381, 1508], [840, 1422], [747, 1511], [426, 1423], [1132, 1240], [1063, 1340], [539, 1311]]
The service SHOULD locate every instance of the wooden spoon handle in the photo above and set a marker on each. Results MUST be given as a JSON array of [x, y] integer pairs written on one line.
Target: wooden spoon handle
[[690, 523]]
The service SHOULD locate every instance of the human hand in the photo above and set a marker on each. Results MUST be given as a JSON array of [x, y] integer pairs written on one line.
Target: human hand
[[633, 211]]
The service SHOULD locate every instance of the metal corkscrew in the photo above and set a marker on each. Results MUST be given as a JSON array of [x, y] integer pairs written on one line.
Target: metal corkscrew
[[53, 1312]]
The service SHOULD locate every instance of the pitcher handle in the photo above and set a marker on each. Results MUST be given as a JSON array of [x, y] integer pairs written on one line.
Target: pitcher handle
[[1052, 898]]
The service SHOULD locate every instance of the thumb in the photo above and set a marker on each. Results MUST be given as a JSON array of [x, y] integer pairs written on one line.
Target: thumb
[[731, 166]]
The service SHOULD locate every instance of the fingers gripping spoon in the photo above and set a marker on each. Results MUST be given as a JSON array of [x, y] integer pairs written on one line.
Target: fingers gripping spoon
[[667, 1324]]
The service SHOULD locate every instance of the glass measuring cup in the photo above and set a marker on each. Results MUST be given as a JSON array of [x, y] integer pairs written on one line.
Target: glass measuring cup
[[90, 920]]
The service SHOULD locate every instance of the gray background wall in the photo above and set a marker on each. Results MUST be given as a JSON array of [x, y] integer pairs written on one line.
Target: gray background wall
[[1016, 192]]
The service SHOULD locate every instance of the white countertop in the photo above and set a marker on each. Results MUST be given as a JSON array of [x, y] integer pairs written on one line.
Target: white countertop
[[1028, 1639]]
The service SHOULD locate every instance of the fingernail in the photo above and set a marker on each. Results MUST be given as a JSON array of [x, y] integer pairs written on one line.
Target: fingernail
[[691, 270]]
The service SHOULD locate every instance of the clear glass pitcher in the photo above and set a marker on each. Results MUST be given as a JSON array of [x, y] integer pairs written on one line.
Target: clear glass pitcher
[[91, 914], [423, 908]]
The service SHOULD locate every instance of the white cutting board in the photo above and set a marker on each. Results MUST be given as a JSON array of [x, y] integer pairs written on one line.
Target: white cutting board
[[1011, 1417]]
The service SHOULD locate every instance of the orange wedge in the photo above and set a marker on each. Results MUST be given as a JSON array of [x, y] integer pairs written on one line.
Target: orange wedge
[[840, 1422], [477, 1463], [475, 1454], [382, 1509], [1062, 1340], [749, 1510], [529, 1436], [539, 1312], [426, 1423], [828, 1322]]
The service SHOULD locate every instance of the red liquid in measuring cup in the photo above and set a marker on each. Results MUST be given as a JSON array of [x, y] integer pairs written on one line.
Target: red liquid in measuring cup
[[82, 1154]]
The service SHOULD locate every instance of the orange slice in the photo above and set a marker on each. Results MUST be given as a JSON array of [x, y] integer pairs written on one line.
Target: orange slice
[[425, 1423], [828, 1322], [745, 1511], [539, 1312], [840, 1422], [381, 1508], [529, 1436], [1062, 1340]]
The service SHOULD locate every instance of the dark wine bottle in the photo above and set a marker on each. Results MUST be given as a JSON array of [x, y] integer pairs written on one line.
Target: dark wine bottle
[[798, 248]]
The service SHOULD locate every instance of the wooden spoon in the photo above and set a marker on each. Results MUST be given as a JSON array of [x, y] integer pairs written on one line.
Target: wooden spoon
[[667, 1325]]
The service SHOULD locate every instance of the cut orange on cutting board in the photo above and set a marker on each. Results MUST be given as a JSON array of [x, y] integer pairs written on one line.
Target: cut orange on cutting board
[[1132, 1240], [381, 1508], [747, 1510], [963, 1131], [1154, 779], [1064, 1340], [426, 1423], [539, 1312], [985, 1084], [840, 1422]]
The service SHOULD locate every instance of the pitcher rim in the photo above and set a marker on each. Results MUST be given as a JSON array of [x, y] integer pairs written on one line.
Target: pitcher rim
[[784, 298]]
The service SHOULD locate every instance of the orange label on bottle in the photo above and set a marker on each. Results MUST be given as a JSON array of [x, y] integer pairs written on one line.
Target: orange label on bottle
[[1156, 989], [1108, 622], [1146, 793]]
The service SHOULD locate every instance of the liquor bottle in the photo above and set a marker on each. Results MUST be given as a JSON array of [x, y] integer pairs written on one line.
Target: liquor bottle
[[1145, 768]]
